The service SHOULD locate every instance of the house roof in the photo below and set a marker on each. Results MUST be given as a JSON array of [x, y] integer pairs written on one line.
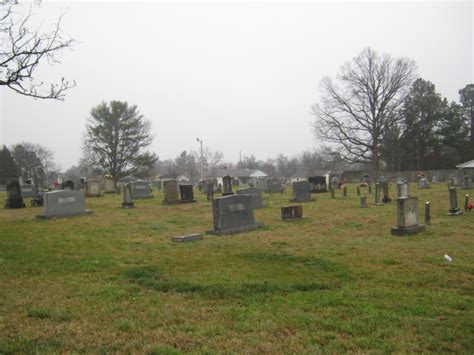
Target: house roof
[[466, 165], [239, 172]]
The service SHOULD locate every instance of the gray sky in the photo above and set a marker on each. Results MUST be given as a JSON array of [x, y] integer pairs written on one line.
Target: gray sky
[[240, 76]]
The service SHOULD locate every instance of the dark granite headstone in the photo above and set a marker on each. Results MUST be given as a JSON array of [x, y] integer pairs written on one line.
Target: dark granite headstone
[[453, 202], [233, 214], [301, 192], [67, 185], [209, 190], [291, 212], [14, 198], [257, 196], [227, 185], [467, 182], [318, 184], [186, 193]]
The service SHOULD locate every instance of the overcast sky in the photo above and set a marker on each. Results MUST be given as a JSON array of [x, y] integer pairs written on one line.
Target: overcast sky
[[240, 76]]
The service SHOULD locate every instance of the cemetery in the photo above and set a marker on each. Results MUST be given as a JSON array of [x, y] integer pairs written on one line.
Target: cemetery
[[125, 272]]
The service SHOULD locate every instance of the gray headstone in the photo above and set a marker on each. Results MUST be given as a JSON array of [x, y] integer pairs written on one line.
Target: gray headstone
[[291, 212], [453, 202], [407, 217], [363, 201], [423, 183], [127, 196], [92, 188], [170, 189], [467, 182], [109, 186], [28, 190], [257, 196], [141, 190], [233, 214], [301, 192], [378, 187], [63, 203], [402, 189], [209, 190]]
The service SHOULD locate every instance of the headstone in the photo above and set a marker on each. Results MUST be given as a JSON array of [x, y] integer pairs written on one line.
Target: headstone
[[434, 179], [344, 191], [227, 185], [127, 196], [92, 188], [427, 213], [453, 181], [333, 192], [170, 189], [453, 202], [423, 183], [257, 196], [209, 190], [384, 185], [402, 189], [370, 189], [378, 187], [358, 190], [63, 203], [186, 193], [14, 198], [318, 184], [110, 185], [27, 190], [274, 185], [67, 185], [141, 190], [187, 238], [363, 201], [291, 212], [233, 214], [407, 217], [262, 184], [467, 182], [301, 192]]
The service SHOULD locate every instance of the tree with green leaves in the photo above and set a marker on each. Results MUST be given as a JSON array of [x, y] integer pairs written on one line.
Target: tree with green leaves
[[364, 101], [8, 169], [467, 101], [117, 136], [422, 113]]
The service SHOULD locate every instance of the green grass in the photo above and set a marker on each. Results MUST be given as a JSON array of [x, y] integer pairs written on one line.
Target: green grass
[[335, 281]]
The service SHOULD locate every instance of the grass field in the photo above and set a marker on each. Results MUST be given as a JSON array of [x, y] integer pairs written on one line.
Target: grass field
[[335, 281]]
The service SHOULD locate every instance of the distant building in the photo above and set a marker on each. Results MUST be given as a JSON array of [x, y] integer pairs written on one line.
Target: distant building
[[243, 175]]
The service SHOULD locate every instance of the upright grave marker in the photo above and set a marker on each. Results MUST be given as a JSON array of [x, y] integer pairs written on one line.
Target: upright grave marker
[[453, 202], [467, 182], [402, 189], [233, 214], [141, 190], [209, 190], [127, 196], [28, 190], [257, 196], [170, 189], [14, 198], [301, 192], [67, 185], [63, 203], [407, 217], [186, 193], [227, 185], [92, 188]]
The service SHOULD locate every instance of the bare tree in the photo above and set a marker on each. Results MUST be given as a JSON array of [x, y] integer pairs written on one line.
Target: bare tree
[[362, 104], [22, 50]]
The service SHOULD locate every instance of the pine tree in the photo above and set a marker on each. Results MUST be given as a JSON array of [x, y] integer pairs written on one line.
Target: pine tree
[[8, 169]]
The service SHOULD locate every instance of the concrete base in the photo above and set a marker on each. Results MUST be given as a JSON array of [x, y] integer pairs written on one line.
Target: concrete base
[[408, 230], [128, 205], [227, 194], [456, 212], [192, 201], [187, 238], [87, 212], [236, 230], [171, 202], [378, 204], [295, 200]]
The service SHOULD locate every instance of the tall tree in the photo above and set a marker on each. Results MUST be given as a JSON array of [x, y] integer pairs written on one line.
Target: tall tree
[[25, 158], [467, 102], [116, 138], [8, 169], [357, 109], [22, 50], [422, 111]]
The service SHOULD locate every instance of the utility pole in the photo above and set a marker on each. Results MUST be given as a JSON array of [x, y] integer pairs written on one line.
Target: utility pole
[[202, 162]]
